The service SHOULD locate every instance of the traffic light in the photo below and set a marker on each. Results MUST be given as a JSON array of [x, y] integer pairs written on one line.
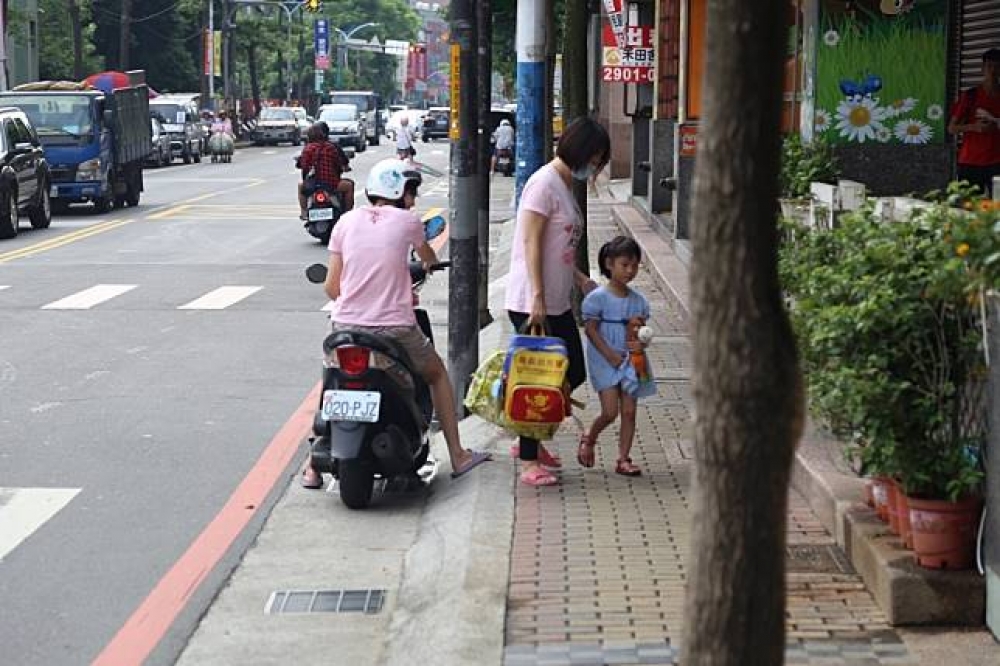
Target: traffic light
[[312, 5]]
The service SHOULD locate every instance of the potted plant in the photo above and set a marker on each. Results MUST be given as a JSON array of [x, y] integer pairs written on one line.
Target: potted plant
[[801, 165], [887, 320]]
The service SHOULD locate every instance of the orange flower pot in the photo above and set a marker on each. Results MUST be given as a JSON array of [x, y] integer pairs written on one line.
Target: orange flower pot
[[880, 492], [905, 526], [944, 533], [869, 499], [892, 492]]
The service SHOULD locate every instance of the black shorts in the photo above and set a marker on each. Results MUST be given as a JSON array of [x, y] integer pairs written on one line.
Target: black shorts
[[562, 326]]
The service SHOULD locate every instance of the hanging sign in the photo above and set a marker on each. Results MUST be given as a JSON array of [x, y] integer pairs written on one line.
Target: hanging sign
[[616, 20], [321, 43], [455, 131], [634, 61]]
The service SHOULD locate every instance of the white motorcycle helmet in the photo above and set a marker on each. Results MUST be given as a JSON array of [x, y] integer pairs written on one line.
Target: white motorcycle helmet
[[388, 179], [505, 123]]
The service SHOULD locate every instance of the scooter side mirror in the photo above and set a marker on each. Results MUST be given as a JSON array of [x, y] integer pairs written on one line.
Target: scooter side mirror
[[434, 227], [316, 273]]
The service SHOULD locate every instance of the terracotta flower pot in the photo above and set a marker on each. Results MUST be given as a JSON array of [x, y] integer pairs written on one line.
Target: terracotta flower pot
[[892, 492], [880, 492], [867, 495], [905, 526], [944, 533]]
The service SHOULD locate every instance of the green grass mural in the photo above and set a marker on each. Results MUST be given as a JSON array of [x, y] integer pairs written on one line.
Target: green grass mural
[[881, 78]]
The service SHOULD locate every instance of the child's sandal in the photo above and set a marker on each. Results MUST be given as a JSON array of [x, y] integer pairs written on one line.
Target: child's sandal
[[625, 467], [585, 451]]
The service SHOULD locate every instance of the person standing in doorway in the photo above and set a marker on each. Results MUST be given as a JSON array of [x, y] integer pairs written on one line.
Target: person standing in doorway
[[976, 117]]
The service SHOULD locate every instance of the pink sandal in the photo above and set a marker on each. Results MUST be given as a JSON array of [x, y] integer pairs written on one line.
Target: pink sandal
[[625, 467], [538, 476]]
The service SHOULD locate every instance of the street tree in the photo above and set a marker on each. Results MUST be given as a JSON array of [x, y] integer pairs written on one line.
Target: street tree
[[747, 386], [65, 41]]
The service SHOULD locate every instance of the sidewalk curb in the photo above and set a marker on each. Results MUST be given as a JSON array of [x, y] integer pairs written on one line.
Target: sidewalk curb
[[452, 600], [908, 594]]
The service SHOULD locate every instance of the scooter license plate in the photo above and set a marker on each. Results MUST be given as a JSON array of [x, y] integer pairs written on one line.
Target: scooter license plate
[[317, 214], [361, 406]]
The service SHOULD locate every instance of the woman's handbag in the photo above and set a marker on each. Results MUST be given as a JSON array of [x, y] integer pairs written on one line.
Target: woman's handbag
[[534, 383]]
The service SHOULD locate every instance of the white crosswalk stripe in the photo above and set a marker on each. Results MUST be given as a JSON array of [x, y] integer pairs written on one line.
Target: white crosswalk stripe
[[4, 286], [221, 298], [88, 298], [24, 510]]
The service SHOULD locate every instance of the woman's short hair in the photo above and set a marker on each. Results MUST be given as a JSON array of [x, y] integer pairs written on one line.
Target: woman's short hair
[[583, 140]]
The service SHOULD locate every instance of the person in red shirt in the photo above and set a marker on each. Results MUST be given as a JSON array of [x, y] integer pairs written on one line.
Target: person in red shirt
[[323, 163], [976, 116]]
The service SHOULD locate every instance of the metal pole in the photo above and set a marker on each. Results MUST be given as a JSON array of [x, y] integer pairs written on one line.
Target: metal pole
[[531, 75], [463, 331], [211, 56], [3, 48], [484, 28]]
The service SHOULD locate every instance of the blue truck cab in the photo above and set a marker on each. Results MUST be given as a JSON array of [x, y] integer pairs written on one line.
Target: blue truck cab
[[94, 142]]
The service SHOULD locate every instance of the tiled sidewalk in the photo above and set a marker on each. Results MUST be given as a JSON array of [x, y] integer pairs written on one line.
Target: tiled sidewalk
[[597, 568]]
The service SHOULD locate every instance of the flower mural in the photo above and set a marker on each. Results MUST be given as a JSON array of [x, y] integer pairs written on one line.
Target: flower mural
[[883, 72]]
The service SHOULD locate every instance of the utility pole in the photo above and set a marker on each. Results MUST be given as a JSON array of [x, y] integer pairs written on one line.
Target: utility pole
[[123, 43], [3, 47], [531, 76], [463, 329], [575, 87], [484, 28], [211, 55]]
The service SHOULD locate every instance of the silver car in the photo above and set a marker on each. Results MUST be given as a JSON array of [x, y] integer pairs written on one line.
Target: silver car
[[347, 125], [277, 124]]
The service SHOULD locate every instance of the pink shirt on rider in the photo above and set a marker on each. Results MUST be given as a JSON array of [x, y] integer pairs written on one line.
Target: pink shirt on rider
[[374, 243], [545, 193]]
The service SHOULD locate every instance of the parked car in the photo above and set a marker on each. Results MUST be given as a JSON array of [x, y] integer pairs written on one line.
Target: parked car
[[436, 123], [277, 124], [160, 155], [347, 125], [182, 123], [24, 174]]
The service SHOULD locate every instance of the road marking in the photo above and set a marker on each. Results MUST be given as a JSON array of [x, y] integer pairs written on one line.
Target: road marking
[[168, 212], [88, 298], [221, 298], [328, 307], [140, 635], [211, 195], [24, 510], [4, 286], [61, 240]]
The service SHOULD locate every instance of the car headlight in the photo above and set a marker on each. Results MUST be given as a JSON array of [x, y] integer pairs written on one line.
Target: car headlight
[[89, 170]]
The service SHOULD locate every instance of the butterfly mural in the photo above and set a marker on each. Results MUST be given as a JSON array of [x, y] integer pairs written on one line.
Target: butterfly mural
[[896, 7], [857, 90]]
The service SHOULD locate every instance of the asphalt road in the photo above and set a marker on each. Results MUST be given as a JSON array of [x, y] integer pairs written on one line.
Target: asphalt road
[[148, 358]]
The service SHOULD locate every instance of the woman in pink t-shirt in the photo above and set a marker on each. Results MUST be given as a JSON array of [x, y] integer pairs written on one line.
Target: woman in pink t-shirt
[[542, 263]]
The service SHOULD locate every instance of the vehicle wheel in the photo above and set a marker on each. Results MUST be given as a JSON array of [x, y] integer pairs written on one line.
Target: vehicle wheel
[[187, 157], [377, 140], [10, 219], [103, 204], [41, 212], [197, 158], [132, 195], [356, 483], [297, 141], [166, 159], [363, 144], [426, 138]]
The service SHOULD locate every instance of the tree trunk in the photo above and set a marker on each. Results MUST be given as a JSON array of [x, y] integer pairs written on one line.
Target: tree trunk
[[254, 82], [77, 28], [123, 44], [747, 387]]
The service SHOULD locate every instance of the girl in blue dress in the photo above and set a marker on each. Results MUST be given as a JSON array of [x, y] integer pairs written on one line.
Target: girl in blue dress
[[607, 312]]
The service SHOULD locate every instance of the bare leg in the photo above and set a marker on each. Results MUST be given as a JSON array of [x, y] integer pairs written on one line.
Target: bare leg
[[302, 200], [609, 412], [346, 189], [443, 398], [626, 430]]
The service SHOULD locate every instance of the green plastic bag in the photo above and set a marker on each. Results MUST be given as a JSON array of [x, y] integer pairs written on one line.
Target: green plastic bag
[[485, 399]]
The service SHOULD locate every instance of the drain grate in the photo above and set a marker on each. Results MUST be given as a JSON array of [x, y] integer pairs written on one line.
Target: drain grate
[[368, 602], [817, 559]]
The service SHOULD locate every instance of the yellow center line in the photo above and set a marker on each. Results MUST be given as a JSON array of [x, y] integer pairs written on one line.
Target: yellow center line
[[64, 239], [212, 195], [168, 212]]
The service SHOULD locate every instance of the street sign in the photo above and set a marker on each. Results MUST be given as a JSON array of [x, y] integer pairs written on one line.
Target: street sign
[[321, 43], [318, 83]]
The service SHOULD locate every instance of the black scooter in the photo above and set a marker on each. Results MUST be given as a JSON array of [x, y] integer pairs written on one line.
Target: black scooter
[[375, 408], [323, 208]]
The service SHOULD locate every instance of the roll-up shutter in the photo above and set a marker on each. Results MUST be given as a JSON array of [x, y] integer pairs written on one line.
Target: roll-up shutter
[[980, 30]]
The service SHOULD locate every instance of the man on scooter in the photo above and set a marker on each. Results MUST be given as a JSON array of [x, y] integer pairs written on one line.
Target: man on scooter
[[369, 280], [326, 162]]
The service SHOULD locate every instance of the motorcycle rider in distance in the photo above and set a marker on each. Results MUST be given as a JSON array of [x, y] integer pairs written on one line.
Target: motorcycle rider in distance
[[326, 163], [369, 282], [504, 140]]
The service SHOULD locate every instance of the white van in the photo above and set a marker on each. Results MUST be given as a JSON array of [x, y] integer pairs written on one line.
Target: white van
[[368, 104]]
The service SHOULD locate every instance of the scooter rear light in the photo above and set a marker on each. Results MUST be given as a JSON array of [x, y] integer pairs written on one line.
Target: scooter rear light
[[321, 197], [353, 360]]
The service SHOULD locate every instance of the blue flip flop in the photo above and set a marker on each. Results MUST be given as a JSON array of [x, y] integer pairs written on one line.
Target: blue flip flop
[[478, 458]]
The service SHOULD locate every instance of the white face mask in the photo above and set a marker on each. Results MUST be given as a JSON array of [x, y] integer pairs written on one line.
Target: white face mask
[[584, 173]]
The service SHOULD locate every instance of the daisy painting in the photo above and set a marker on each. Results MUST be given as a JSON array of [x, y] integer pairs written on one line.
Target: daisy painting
[[901, 106], [822, 121], [860, 120], [913, 131]]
